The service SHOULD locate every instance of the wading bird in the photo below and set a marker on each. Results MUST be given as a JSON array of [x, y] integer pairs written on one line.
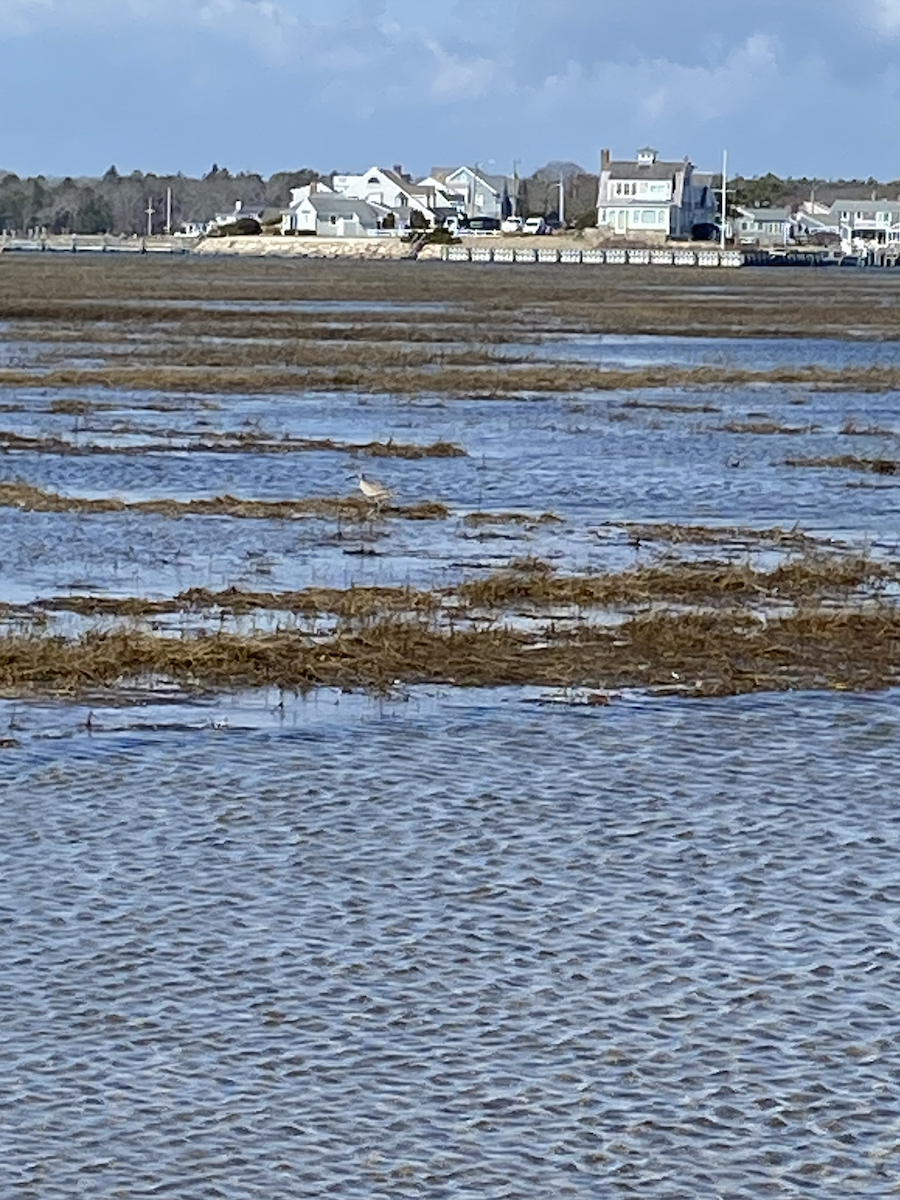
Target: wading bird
[[374, 491]]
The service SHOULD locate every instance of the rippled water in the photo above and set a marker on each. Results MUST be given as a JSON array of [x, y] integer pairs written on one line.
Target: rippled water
[[452, 945]]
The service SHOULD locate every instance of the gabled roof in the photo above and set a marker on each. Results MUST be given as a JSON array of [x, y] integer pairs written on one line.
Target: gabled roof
[[496, 182], [405, 185]]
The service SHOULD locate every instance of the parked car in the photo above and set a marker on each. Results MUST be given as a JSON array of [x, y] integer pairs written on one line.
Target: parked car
[[511, 225], [535, 225], [482, 225]]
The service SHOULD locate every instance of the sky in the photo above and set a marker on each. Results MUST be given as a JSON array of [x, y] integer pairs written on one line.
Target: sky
[[802, 87]]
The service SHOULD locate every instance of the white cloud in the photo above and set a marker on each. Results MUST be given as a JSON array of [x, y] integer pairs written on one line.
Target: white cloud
[[457, 78], [417, 79], [885, 14]]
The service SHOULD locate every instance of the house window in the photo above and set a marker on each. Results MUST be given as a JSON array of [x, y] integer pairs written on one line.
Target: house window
[[334, 220], [373, 179]]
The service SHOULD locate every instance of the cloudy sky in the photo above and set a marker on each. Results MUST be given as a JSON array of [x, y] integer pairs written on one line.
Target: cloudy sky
[[799, 86]]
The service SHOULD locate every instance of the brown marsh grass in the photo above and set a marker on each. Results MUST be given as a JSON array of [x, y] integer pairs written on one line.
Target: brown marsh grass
[[747, 303], [699, 654], [502, 379], [245, 442], [349, 508], [529, 583], [740, 535]]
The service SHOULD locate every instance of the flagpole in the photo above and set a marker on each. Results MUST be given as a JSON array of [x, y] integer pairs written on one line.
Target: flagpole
[[724, 196]]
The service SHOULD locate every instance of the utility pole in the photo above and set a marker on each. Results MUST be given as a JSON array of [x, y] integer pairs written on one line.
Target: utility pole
[[515, 211], [562, 200], [724, 196], [150, 210], [168, 210]]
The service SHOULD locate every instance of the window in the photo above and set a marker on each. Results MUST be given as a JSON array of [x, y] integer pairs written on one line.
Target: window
[[373, 179]]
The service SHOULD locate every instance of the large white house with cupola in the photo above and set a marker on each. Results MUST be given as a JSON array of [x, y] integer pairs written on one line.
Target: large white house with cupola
[[654, 200]]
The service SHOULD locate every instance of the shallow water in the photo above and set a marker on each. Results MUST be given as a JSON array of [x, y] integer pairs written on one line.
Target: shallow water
[[380, 948], [589, 459], [754, 354], [447, 943]]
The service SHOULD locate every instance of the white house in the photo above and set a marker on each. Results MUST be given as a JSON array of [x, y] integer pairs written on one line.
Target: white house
[[389, 189], [328, 215], [298, 196], [654, 199], [865, 224]]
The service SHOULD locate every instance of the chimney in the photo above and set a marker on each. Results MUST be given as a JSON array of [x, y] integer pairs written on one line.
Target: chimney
[[398, 170], [604, 159]]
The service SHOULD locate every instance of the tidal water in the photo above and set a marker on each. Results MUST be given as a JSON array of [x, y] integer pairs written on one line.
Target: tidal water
[[445, 943], [451, 944]]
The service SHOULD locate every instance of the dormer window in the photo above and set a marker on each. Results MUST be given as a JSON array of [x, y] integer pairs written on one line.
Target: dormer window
[[373, 179]]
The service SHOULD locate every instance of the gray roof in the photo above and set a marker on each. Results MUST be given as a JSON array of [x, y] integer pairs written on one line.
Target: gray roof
[[411, 189], [827, 220], [761, 215], [865, 206], [636, 170], [341, 206]]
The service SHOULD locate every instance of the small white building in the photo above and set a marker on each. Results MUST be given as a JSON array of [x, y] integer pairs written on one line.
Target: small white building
[[328, 215], [653, 199]]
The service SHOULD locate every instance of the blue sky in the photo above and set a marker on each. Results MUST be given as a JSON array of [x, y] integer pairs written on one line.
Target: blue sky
[[801, 86]]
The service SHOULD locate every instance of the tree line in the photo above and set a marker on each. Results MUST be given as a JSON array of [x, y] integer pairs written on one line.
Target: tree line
[[117, 203]]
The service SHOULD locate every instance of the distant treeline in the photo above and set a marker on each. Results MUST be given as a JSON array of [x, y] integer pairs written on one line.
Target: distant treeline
[[771, 191], [118, 203]]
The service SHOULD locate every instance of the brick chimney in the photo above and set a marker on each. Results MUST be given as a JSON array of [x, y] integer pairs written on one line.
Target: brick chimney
[[604, 159]]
